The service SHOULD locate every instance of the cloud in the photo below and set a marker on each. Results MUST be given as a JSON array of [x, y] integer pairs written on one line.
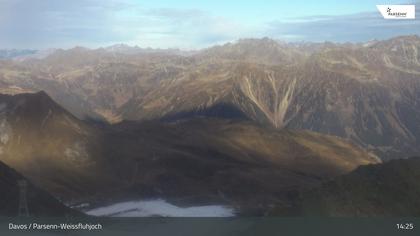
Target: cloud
[[56, 22], [348, 28], [184, 28], [59, 23], [94, 23]]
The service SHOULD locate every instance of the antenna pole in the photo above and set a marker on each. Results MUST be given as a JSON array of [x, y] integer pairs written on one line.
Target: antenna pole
[[23, 203]]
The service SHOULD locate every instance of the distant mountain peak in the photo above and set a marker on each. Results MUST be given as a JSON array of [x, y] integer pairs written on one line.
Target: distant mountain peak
[[15, 53]]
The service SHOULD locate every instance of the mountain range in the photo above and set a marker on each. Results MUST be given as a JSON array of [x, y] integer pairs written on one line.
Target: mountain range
[[14, 53], [367, 93]]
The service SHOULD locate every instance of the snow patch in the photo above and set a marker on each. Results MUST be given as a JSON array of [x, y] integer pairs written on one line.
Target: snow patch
[[160, 207], [77, 152], [4, 138], [5, 132], [46, 118]]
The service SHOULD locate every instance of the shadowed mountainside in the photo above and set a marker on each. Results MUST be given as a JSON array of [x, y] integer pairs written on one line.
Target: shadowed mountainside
[[191, 160]]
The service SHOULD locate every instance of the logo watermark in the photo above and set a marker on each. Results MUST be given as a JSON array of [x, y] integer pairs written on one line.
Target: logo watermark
[[398, 12]]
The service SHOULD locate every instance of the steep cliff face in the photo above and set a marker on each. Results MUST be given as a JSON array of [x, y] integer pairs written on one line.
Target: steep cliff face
[[368, 93]]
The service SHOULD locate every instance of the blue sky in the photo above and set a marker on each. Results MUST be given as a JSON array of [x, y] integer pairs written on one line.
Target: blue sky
[[191, 24]]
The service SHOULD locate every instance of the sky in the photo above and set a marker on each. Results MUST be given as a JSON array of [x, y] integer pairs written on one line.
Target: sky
[[188, 24]]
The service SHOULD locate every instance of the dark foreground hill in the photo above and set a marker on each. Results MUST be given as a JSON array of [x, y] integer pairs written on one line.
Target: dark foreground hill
[[40, 203], [388, 189]]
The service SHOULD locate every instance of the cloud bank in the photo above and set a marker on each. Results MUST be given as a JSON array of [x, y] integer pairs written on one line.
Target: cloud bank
[[94, 23]]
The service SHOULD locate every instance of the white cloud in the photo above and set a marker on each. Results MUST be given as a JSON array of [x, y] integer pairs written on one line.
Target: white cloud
[[52, 23], [45, 23], [188, 29], [346, 28]]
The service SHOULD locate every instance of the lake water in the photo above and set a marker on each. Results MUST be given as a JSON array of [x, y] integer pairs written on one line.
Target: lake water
[[160, 207]]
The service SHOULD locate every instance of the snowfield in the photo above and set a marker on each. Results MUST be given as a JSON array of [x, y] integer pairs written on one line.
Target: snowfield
[[160, 207]]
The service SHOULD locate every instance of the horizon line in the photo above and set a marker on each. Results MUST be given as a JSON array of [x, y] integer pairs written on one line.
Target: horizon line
[[277, 40]]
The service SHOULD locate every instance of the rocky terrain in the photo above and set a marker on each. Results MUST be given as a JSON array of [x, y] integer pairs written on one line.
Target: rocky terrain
[[196, 160], [368, 93]]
